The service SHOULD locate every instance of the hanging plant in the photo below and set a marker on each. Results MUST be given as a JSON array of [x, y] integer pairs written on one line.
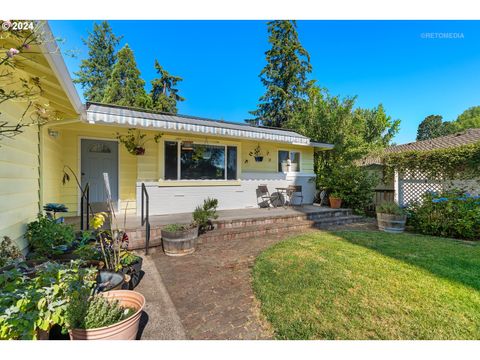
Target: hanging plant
[[257, 153], [134, 141]]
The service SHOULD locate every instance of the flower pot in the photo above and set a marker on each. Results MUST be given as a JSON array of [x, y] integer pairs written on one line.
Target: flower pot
[[335, 202], [179, 243], [391, 223], [258, 158], [109, 280], [139, 151], [134, 272], [124, 330]]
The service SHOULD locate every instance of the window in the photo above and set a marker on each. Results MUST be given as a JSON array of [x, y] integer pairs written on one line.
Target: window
[[284, 156], [100, 148], [189, 161], [171, 161]]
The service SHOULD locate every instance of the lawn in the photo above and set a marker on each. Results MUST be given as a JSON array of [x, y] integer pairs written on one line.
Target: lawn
[[370, 285]]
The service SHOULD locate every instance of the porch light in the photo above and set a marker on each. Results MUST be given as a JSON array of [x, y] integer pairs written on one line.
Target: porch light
[[187, 145], [53, 133]]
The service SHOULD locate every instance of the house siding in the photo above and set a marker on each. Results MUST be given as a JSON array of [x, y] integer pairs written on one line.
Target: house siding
[[19, 177]]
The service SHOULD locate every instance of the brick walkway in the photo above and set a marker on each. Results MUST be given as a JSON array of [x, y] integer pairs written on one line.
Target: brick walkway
[[211, 289]]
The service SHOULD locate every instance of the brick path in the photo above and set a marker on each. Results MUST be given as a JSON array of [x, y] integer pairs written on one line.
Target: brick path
[[211, 289]]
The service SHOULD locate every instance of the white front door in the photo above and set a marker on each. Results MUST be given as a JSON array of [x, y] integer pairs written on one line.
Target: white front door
[[98, 157]]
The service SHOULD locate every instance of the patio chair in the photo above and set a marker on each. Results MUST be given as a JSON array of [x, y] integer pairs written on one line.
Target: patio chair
[[295, 192], [264, 195]]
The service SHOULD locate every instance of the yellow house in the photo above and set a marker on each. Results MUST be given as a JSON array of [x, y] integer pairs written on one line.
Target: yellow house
[[194, 158]]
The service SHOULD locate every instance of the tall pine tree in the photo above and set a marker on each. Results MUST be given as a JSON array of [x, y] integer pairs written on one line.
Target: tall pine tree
[[284, 76], [164, 94], [125, 86], [96, 69]]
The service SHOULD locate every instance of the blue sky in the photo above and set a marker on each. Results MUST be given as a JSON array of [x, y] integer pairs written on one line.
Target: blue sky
[[386, 62]]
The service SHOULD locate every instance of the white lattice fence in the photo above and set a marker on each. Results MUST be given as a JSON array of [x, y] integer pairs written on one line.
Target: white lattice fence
[[412, 185]]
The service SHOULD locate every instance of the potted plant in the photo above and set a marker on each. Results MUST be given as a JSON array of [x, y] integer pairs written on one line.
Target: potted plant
[[391, 217], [135, 141], [257, 153], [114, 315], [335, 200], [180, 239]]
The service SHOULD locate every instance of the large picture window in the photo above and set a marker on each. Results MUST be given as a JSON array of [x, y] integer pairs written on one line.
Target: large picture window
[[189, 161]]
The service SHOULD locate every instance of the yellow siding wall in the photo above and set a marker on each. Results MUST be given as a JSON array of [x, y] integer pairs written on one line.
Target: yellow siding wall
[[69, 141], [19, 177]]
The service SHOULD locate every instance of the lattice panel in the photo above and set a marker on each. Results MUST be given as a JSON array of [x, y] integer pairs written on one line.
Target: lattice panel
[[412, 190]]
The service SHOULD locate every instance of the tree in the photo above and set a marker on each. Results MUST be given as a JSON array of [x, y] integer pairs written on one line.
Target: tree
[[470, 118], [164, 94], [431, 127], [284, 76], [125, 87], [97, 68], [354, 133]]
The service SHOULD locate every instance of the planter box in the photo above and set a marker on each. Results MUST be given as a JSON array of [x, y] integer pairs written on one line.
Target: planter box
[[391, 223], [179, 243]]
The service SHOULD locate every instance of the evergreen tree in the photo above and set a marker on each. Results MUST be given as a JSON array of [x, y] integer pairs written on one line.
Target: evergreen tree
[[96, 69], [164, 94], [125, 87], [433, 126], [284, 76]]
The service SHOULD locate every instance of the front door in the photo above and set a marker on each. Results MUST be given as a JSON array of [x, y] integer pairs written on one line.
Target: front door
[[98, 157]]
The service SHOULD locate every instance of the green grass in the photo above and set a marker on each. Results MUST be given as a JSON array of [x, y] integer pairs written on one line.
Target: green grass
[[370, 285]]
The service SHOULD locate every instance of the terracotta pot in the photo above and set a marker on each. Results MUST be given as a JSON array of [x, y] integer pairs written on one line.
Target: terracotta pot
[[124, 330], [179, 243], [391, 223], [335, 202]]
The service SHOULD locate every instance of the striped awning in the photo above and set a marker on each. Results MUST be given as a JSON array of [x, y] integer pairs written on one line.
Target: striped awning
[[136, 118]]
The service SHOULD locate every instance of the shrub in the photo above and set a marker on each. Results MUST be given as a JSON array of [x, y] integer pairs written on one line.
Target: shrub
[[29, 303], [390, 208], [176, 227], [354, 185], [203, 215], [449, 214], [8, 251], [95, 312], [44, 235]]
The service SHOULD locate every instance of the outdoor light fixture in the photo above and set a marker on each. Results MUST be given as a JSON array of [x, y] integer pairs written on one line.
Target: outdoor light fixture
[[53, 133]]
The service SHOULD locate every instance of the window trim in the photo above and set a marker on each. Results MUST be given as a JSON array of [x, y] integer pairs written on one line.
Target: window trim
[[289, 154], [179, 162]]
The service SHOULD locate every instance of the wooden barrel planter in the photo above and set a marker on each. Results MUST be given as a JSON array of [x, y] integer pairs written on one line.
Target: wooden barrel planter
[[391, 223], [179, 243], [335, 202]]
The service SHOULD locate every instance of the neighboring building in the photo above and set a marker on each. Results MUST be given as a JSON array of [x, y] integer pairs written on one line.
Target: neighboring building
[[409, 186], [195, 158]]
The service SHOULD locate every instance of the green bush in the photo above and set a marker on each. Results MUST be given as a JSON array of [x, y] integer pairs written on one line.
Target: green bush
[[29, 304], [390, 208], [95, 312], [449, 214], [353, 184], [203, 215], [8, 251], [44, 234]]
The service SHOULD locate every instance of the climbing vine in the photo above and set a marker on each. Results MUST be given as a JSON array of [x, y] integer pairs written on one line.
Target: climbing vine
[[461, 162]]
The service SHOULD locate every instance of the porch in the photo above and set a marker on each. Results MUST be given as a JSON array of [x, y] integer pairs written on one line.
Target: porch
[[237, 223]]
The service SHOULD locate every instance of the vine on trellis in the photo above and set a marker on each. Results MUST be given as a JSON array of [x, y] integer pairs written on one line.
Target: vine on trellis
[[462, 162]]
